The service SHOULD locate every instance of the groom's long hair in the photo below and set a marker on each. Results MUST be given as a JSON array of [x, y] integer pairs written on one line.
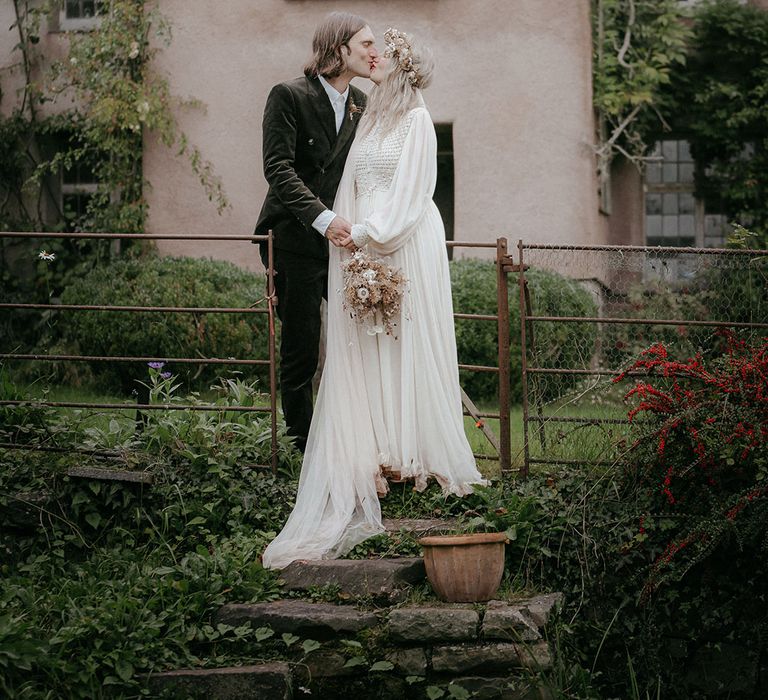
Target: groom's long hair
[[335, 31]]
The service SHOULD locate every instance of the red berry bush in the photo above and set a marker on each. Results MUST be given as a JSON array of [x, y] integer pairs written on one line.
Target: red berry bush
[[699, 463]]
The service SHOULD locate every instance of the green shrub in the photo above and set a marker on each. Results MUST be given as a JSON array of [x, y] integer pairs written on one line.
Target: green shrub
[[157, 281], [562, 345], [105, 582]]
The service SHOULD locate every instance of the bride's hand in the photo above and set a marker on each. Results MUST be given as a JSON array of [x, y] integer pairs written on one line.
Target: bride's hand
[[347, 242]]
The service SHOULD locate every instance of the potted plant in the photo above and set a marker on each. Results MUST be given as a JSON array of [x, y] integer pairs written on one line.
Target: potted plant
[[465, 568], [468, 566]]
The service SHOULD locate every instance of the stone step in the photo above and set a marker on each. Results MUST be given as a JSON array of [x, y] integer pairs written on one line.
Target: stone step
[[304, 619], [380, 580], [420, 527], [483, 648], [272, 680], [103, 474]]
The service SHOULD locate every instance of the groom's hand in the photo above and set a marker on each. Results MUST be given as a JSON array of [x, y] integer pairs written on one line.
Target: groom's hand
[[338, 231]]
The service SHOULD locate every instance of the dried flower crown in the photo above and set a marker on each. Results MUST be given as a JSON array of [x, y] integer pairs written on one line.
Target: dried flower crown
[[398, 46]]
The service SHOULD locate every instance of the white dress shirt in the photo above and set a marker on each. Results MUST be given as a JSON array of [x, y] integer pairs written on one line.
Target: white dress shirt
[[339, 104]]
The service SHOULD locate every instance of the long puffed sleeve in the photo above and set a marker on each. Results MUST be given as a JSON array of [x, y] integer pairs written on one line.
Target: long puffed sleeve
[[393, 221]]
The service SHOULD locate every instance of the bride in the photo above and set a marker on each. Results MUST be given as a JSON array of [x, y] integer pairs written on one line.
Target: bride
[[387, 404]]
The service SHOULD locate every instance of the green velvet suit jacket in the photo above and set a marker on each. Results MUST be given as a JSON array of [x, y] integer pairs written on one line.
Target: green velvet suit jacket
[[303, 162]]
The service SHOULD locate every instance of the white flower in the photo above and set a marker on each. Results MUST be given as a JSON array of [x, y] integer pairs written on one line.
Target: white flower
[[134, 50], [375, 330], [305, 690], [363, 293], [369, 275], [45, 255], [73, 60], [143, 110]]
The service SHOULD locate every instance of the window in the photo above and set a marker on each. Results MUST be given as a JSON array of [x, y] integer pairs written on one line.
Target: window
[[78, 185], [444, 187], [673, 215], [81, 14]]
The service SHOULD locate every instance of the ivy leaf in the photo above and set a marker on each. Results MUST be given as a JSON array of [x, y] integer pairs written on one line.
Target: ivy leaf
[[289, 639], [434, 692], [93, 519], [310, 645], [355, 661], [382, 666], [458, 692], [263, 633]]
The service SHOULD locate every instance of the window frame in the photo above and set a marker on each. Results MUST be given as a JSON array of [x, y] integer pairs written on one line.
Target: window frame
[[75, 24]]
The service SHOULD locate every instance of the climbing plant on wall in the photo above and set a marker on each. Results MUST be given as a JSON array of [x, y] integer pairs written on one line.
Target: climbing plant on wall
[[636, 46]]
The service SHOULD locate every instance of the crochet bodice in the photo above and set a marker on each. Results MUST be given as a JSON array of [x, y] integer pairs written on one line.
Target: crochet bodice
[[377, 157]]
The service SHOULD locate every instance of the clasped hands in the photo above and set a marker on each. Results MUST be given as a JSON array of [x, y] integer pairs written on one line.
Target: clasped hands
[[339, 232]]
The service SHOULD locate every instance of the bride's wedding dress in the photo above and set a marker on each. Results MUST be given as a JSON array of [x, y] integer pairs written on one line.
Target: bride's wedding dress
[[384, 402]]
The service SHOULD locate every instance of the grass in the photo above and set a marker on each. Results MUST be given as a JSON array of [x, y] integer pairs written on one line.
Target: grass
[[561, 440]]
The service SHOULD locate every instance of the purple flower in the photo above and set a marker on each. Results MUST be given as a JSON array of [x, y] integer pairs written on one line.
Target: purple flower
[[165, 375], [156, 365]]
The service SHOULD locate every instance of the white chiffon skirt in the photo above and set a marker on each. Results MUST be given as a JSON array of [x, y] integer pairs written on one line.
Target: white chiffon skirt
[[383, 402]]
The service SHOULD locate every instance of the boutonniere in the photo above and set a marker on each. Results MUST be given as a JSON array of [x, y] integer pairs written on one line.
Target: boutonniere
[[353, 110]]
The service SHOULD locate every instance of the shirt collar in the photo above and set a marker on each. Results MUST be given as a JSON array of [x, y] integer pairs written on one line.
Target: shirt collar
[[332, 92]]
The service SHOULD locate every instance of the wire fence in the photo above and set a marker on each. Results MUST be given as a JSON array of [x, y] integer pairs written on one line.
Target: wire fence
[[615, 302]]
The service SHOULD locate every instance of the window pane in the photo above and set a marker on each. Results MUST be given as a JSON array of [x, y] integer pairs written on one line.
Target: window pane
[[685, 152], [88, 8], [670, 204], [686, 172], [669, 226], [73, 9], [686, 225], [669, 172], [653, 173], [652, 227], [686, 203], [79, 174], [653, 204], [75, 205], [669, 150]]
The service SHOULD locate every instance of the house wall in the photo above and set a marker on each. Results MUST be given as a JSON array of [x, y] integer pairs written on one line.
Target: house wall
[[513, 78]]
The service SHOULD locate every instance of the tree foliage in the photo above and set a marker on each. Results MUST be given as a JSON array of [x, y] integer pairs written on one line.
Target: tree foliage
[[721, 106]]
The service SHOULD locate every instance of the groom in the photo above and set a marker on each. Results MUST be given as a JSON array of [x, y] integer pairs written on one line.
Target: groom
[[307, 132]]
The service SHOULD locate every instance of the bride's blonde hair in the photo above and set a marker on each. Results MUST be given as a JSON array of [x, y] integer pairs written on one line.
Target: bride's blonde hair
[[410, 69]]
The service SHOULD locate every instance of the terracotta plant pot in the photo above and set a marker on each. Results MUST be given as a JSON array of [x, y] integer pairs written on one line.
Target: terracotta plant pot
[[465, 568]]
